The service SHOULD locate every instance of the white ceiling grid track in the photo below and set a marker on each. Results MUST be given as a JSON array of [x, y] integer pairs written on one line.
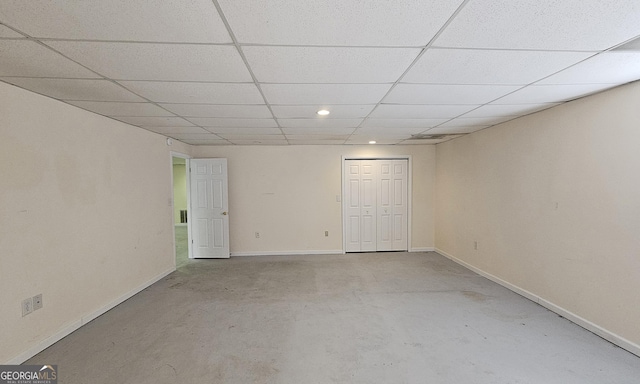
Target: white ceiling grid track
[[252, 72]]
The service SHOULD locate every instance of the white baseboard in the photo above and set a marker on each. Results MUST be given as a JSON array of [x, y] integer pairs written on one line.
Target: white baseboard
[[289, 253], [584, 323], [426, 249], [74, 325], [307, 252]]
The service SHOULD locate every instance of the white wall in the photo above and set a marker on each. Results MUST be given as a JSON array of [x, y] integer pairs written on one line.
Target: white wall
[[85, 220], [288, 194], [84, 216], [553, 200]]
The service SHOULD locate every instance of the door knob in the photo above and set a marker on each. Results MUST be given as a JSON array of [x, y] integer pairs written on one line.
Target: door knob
[[224, 213]]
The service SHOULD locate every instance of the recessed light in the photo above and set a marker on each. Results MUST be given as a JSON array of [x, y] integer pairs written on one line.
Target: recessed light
[[372, 142], [323, 112]]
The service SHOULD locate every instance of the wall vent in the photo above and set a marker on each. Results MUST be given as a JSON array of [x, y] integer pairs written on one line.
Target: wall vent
[[426, 136], [633, 45]]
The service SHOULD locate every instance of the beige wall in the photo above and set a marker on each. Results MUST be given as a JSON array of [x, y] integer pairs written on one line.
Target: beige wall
[[84, 215], [288, 194], [553, 200], [179, 191]]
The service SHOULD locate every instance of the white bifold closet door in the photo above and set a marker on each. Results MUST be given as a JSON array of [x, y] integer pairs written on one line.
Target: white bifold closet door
[[376, 206]]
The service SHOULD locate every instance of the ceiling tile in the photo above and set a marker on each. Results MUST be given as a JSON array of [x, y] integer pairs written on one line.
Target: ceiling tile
[[318, 131], [244, 131], [171, 62], [402, 123], [491, 110], [446, 94], [309, 111], [29, 59], [259, 142], [534, 94], [389, 133], [427, 141], [324, 93], [213, 110], [328, 64], [232, 137], [8, 32], [607, 68], [121, 109], [319, 123], [195, 136], [155, 121], [420, 111], [205, 142], [230, 123], [177, 57], [75, 89], [364, 139], [451, 130], [316, 142], [337, 22], [178, 130], [543, 24], [472, 66], [392, 131], [201, 93], [195, 21], [318, 137]]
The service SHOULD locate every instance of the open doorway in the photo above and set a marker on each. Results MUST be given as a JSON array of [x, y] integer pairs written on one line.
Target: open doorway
[[180, 208]]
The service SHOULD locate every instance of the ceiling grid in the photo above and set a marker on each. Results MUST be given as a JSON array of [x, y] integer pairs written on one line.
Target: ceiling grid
[[249, 72]]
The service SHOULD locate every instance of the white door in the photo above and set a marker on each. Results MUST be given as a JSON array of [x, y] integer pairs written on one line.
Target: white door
[[368, 239], [376, 205], [360, 208], [392, 205], [385, 203], [352, 204], [399, 205], [209, 208]]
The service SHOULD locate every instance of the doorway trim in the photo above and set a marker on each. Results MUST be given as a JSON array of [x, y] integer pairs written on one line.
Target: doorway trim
[[409, 193], [173, 154]]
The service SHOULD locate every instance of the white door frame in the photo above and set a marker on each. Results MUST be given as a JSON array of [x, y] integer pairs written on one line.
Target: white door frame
[[409, 193], [173, 154]]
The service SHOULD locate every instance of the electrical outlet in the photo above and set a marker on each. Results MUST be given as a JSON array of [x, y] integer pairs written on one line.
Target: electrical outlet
[[27, 306], [326, 233], [37, 302], [257, 235]]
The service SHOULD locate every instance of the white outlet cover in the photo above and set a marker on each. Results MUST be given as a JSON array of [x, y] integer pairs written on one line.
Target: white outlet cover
[[27, 306]]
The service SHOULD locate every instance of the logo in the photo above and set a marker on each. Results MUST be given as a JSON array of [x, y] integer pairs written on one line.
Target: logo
[[28, 374]]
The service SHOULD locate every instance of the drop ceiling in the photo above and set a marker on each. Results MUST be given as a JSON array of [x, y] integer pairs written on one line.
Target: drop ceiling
[[255, 72]]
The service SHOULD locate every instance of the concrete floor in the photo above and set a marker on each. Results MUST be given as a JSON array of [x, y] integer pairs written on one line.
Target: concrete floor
[[182, 252], [356, 318]]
